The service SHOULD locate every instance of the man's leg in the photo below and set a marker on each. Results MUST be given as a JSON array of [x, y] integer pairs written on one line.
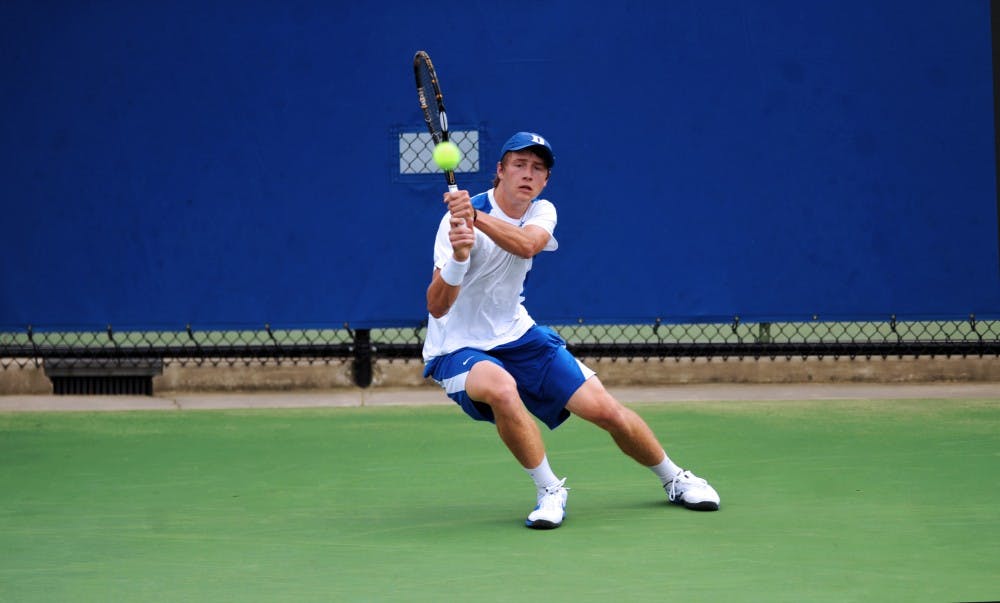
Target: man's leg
[[493, 386], [593, 403], [631, 433], [490, 384]]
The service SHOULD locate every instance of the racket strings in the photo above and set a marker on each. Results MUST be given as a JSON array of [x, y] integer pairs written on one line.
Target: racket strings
[[430, 99]]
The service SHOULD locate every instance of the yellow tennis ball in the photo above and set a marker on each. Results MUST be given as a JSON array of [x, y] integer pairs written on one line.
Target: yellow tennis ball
[[447, 155]]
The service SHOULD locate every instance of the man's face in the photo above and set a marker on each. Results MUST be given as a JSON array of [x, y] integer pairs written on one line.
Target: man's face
[[522, 175]]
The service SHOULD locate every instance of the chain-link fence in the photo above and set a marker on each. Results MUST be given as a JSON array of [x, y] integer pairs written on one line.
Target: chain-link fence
[[416, 151], [116, 356]]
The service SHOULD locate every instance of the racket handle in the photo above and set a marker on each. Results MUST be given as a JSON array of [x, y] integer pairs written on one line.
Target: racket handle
[[453, 188]]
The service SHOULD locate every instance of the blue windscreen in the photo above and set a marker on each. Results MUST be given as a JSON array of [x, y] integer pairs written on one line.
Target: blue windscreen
[[222, 164]]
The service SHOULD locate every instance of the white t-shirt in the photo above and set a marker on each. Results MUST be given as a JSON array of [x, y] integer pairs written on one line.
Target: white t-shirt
[[488, 311]]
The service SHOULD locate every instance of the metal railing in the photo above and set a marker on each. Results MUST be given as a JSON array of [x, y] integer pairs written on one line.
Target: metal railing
[[74, 352]]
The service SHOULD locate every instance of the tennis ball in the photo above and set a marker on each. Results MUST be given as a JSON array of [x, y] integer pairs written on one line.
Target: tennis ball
[[447, 155]]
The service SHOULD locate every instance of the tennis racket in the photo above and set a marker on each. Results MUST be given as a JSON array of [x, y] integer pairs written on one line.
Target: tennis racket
[[432, 104]]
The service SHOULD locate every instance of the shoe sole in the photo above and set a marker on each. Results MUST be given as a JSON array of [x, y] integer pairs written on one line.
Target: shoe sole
[[541, 524], [705, 505]]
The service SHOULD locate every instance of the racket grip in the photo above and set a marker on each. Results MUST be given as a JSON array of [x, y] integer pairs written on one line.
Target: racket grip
[[453, 188]]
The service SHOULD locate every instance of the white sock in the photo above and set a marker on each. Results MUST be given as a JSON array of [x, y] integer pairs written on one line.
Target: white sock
[[542, 475], [666, 470]]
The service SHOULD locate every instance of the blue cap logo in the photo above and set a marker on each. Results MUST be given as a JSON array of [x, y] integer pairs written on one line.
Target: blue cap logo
[[524, 140]]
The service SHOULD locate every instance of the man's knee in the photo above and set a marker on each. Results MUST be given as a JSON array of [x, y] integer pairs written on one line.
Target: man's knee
[[595, 404], [611, 415], [491, 384]]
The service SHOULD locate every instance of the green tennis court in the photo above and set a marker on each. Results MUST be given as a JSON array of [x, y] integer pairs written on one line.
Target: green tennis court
[[835, 501]]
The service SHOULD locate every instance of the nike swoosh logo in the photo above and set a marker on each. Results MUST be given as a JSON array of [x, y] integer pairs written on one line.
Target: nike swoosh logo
[[467, 361]]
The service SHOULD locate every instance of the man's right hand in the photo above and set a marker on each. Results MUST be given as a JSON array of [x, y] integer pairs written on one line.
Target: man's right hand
[[462, 238], [462, 234]]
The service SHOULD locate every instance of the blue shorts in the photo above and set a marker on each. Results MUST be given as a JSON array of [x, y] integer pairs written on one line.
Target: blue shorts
[[547, 375]]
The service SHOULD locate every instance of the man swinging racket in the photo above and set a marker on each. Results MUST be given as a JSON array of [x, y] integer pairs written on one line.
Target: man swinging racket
[[491, 358]]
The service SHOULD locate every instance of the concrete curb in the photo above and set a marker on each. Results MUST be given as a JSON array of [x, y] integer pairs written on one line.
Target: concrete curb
[[425, 396]]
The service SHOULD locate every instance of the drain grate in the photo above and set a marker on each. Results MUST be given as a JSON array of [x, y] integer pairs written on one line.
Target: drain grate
[[102, 386], [100, 377]]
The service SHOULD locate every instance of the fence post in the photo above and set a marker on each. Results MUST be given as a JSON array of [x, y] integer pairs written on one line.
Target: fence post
[[363, 357]]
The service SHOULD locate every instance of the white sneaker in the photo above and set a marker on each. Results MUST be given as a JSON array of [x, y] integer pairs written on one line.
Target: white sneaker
[[692, 492], [551, 507]]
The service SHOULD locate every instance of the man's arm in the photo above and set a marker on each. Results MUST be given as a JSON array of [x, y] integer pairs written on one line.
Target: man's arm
[[441, 294], [525, 242]]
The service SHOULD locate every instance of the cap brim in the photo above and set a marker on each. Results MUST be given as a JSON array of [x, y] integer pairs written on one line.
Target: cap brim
[[543, 150]]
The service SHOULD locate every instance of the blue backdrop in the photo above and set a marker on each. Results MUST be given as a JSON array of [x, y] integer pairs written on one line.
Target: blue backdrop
[[236, 163]]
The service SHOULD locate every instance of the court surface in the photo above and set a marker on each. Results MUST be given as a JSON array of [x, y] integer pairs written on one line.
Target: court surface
[[838, 499]]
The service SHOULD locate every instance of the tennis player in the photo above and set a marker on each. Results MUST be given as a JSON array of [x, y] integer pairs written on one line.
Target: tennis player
[[491, 358]]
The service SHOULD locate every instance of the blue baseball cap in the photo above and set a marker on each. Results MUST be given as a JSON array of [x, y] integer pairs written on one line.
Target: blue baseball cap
[[524, 140]]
